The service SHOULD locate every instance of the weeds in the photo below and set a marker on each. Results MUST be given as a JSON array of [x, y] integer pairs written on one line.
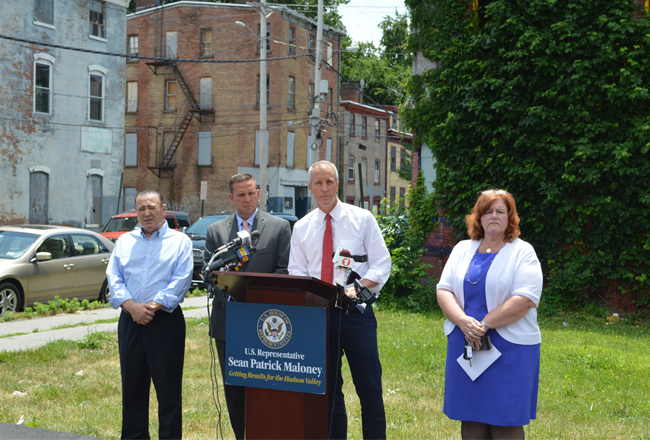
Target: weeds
[[54, 307]]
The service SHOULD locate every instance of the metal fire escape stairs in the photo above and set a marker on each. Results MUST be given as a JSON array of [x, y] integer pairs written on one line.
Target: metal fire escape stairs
[[164, 163]]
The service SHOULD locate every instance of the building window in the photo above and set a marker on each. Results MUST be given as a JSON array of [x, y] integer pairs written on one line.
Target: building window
[[351, 168], [329, 53], [393, 159], [330, 100], [206, 42], [402, 197], [402, 159], [42, 88], [132, 48], [292, 92], [352, 124], [44, 11], [377, 130], [312, 99], [130, 149], [364, 126], [97, 18], [170, 95], [392, 196], [292, 40], [131, 97], [377, 171], [205, 148], [268, 37], [96, 97], [312, 48], [257, 95]]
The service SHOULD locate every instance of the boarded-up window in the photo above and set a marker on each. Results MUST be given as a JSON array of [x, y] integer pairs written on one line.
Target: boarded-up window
[[206, 93], [39, 190], [206, 42], [131, 149], [328, 153], [131, 97], [129, 197], [94, 199], [205, 148], [44, 11], [291, 139]]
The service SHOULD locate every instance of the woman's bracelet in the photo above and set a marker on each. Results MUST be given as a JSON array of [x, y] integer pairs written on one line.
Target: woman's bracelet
[[485, 325]]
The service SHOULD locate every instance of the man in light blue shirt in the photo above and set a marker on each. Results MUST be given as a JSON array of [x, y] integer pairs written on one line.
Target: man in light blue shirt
[[149, 273]]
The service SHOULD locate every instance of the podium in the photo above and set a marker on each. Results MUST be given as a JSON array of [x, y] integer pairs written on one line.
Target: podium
[[277, 414]]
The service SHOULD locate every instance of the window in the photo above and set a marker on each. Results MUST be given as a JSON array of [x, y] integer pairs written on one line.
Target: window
[[402, 197], [257, 95], [292, 40], [393, 159], [329, 53], [97, 18], [377, 171], [402, 159], [330, 100], [130, 149], [170, 95], [364, 166], [205, 148], [205, 88], [42, 87], [132, 48], [392, 196], [291, 142], [206, 42], [328, 150], [96, 112], [57, 245], [292, 92], [312, 48], [311, 96], [85, 244], [364, 126], [131, 97], [44, 11], [129, 197], [352, 125], [268, 37], [351, 168], [377, 132]]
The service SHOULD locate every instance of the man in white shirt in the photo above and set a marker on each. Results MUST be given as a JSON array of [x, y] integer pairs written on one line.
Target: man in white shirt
[[356, 230]]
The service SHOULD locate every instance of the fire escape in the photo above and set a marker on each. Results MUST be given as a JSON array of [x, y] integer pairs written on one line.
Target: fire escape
[[164, 165]]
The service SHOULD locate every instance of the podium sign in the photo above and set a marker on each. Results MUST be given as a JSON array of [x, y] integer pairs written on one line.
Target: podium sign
[[276, 346]]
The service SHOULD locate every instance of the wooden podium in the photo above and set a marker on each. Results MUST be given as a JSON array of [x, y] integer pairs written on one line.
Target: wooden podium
[[275, 414]]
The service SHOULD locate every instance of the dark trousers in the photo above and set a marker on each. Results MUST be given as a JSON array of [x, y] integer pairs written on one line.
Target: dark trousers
[[155, 351], [358, 341], [235, 396]]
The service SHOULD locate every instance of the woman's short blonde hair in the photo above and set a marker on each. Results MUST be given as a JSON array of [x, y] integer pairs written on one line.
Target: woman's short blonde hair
[[485, 200]]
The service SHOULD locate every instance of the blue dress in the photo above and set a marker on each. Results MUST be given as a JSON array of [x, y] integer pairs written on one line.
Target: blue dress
[[506, 393]]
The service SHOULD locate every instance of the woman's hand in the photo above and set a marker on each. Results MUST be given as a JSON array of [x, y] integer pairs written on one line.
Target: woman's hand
[[473, 331]]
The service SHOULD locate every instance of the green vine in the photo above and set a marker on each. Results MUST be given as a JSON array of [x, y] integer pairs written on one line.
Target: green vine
[[548, 99]]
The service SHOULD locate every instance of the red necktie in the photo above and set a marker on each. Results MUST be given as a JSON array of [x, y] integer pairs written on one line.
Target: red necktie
[[327, 267]]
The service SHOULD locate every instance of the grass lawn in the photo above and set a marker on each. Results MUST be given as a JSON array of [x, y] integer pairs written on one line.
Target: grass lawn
[[594, 383]]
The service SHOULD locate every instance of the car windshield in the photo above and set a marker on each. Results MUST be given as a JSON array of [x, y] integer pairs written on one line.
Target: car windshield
[[117, 224], [14, 244], [200, 227]]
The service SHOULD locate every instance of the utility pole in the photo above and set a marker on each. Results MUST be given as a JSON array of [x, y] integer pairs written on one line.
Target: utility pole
[[315, 114], [264, 135]]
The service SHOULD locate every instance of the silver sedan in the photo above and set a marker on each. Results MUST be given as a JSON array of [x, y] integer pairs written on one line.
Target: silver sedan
[[39, 262]]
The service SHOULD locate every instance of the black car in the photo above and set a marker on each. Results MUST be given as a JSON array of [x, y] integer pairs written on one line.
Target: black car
[[197, 232]]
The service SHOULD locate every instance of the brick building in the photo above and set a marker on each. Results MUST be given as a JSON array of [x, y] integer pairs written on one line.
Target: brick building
[[62, 111], [192, 122], [398, 155]]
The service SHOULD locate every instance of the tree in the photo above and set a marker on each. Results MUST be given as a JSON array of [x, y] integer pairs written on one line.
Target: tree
[[549, 100]]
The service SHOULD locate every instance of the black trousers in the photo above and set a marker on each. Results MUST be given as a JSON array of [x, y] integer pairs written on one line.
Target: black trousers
[[155, 351], [235, 396], [358, 341]]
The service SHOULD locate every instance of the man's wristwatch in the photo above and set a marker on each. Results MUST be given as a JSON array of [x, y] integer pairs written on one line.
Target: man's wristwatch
[[485, 325]]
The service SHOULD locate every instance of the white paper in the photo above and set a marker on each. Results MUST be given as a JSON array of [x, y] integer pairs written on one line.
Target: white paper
[[480, 362]]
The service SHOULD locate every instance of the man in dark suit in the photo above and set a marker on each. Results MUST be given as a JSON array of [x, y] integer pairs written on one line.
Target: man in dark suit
[[272, 256]]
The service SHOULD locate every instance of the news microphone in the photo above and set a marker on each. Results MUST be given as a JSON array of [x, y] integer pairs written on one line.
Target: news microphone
[[241, 256], [243, 237]]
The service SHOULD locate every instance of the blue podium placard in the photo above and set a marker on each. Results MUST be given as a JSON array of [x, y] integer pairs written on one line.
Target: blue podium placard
[[277, 347]]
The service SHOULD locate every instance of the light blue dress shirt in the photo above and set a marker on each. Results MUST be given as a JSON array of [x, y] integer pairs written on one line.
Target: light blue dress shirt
[[145, 269], [250, 221]]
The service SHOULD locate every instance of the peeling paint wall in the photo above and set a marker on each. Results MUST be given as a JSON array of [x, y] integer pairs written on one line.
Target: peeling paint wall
[[60, 144]]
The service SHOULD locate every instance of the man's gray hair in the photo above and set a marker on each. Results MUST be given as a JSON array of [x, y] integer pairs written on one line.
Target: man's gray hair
[[150, 191], [324, 162]]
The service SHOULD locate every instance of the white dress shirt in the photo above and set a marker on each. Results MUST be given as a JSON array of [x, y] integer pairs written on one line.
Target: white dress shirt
[[353, 229]]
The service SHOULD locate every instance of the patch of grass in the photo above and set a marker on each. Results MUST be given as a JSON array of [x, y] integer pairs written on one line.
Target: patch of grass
[[593, 382], [54, 307]]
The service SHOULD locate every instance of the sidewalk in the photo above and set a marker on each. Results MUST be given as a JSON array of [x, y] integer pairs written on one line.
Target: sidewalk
[[39, 331]]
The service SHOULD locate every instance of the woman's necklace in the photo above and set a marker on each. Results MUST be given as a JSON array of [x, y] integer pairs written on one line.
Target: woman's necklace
[[484, 272]]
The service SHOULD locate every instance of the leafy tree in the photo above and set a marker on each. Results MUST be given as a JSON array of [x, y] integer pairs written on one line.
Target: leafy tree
[[548, 99]]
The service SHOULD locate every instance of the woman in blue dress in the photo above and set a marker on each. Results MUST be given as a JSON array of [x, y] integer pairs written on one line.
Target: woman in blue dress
[[491, 285]]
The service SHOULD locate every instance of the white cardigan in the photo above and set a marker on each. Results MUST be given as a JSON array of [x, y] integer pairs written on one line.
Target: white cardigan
[[514, 271]]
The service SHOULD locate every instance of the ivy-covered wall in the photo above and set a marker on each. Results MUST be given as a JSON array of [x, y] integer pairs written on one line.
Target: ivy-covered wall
[[548, 99]]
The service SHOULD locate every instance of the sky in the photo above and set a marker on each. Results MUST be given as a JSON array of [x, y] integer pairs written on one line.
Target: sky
[[361, 17]]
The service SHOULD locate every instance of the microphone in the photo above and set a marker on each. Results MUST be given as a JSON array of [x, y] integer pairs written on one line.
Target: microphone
[[243, 237], [236, 260]]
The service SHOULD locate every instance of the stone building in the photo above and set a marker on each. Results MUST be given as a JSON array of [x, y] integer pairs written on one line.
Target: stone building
[[193, 114], [62, 111]]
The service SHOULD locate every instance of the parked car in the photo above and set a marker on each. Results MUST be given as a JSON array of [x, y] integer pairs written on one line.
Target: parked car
[[197, 232], [39, 262], [128, 221], [292, 219]]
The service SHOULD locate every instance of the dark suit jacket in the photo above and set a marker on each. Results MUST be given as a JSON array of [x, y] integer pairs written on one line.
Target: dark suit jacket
[[272, 256]]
